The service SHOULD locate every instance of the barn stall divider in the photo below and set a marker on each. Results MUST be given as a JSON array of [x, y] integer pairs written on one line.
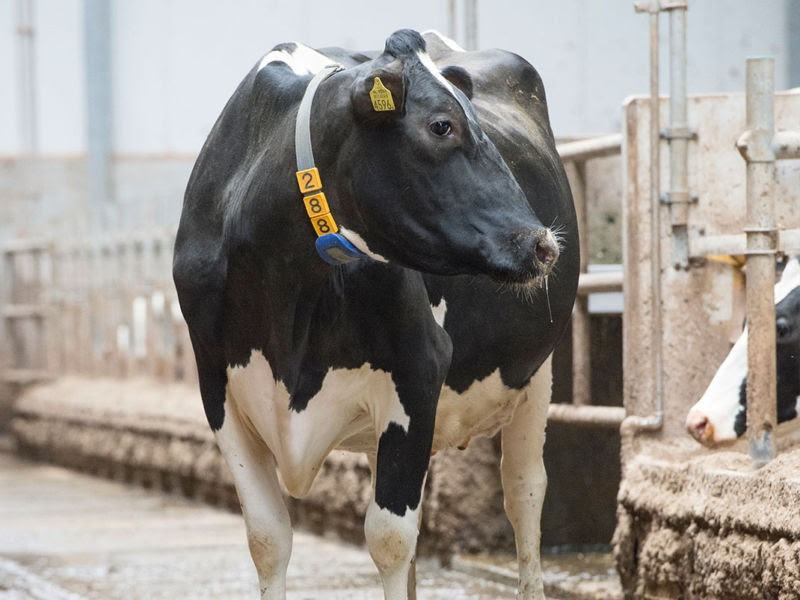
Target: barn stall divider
[[692, 523]]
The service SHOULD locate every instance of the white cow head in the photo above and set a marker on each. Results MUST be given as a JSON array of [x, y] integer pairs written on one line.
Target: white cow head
[[720, 416]]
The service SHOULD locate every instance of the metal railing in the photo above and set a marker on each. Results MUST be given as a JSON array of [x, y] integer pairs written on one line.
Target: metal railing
[[104, 308], [581, 412]]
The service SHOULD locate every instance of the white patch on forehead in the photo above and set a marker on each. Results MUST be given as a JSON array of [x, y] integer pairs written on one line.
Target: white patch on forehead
[[790, 279], [450, 43], [426, 61], [439, 311], [302, 60], [361, 244]]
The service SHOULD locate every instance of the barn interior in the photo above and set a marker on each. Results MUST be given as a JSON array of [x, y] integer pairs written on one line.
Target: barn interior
[[679, 237]]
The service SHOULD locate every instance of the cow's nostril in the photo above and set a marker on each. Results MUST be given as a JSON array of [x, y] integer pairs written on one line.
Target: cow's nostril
[[699, 428], [546, 252]]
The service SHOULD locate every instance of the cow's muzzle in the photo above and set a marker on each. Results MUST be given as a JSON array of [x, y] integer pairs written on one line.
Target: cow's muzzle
[[700, 428]]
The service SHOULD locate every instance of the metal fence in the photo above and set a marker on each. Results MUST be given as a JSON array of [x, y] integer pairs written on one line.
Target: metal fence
[[104, 308]]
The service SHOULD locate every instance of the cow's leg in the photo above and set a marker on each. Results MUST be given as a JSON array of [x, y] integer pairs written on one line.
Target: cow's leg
[[269, 528], [525, 481], [392, 521], [411, 585]]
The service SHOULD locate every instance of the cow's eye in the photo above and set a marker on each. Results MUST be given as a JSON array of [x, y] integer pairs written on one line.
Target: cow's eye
[[440, 128]]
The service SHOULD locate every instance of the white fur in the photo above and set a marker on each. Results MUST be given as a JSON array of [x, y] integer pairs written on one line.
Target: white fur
[[349, 402], [439, 312], [450, 43], [481, 410], [790, 279], [428, 63], [302, 60], [392, 541], [354, 406], [524, 478], [361, 244], [719, 404]]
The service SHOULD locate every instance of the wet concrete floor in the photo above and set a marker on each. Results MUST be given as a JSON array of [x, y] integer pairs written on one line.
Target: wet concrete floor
[[67, 536]]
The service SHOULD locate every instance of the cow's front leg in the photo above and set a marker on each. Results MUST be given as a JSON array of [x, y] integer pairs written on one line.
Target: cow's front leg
[[392, 520], [525, 480], [269, 528]]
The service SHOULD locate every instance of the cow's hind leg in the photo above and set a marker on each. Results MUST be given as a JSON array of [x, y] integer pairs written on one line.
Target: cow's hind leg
[[269, 528], [525, 480]]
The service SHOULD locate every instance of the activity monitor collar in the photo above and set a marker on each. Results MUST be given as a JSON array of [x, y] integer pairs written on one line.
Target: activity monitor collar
[[331, 245]]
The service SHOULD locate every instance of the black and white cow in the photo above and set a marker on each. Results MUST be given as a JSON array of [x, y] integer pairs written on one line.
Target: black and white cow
[[438, 169], [720, 416]]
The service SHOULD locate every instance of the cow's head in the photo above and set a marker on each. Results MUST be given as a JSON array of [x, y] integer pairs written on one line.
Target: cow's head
[[424, 185], [720, 416]]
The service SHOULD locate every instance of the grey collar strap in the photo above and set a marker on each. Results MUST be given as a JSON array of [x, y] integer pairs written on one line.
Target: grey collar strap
[[331, 245], [302, 130]]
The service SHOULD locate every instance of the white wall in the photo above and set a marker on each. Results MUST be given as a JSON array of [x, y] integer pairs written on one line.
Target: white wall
[[175, 62]]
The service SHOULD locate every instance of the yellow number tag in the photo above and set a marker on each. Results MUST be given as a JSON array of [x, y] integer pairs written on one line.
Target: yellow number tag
[[381, 96], [309, 180], [324, 224], [316, 205]]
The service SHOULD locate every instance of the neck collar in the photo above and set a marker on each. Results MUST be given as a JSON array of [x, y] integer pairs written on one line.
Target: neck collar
[[331, 245]]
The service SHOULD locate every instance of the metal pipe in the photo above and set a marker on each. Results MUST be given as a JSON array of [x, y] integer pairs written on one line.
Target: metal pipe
[[471, 24], [581, 328], [736, 243], [654, 422], [756, 148], [678, 137], [452, 32], [592, 283], [28, 122], [786, 145], [586, 416], [97, 20], [596, 147]]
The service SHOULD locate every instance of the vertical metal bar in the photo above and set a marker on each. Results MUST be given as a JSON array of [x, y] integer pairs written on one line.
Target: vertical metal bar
[[761, 245], [97, 21], [793, 37], [655, 221], [655, 421], [28, 122], [452, 29], [581, 340], [678, 141], [471, 24]]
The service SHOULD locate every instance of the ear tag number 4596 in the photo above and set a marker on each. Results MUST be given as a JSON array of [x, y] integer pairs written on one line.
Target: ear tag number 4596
[[381, 96]]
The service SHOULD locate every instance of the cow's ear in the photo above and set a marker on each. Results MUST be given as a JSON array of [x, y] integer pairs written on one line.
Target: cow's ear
[[380, 95], [459, 77]]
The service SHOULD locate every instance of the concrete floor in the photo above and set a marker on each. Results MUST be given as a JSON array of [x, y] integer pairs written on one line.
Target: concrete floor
[[67, 536]]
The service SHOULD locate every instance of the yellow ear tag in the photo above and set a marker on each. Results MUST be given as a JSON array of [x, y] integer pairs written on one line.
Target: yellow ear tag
[[381, 96]]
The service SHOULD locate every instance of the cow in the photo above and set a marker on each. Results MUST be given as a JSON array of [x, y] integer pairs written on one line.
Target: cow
[[719, 418], [377, 252]]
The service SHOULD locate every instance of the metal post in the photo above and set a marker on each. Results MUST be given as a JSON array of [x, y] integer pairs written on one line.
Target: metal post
[[29, 137], [97, 21], [452, 32], [756, 148], [471, 24], [581, 330], [654, 422], [678, 135]]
